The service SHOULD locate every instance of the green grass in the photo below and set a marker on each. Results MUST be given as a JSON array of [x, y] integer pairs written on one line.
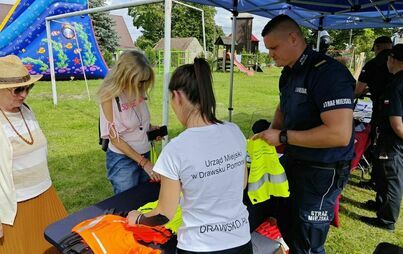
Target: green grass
[[77, 163]]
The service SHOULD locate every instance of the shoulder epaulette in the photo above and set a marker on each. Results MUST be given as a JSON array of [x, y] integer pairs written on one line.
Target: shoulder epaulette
[[320, 63]]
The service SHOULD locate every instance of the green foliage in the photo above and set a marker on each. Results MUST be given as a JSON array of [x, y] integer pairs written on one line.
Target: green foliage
[[186, 22], [104, 28], [264, 58], [361, 39], [151, 55], [108, 57]]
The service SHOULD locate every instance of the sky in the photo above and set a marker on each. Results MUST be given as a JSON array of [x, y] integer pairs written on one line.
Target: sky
[[222, 18]]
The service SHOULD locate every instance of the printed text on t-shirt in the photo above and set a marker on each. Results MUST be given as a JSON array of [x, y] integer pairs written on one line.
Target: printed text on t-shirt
[[220, 165], [225, 227]]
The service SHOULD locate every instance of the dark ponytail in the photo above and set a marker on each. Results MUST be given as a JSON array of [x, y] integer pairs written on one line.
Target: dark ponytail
[[196, 82]]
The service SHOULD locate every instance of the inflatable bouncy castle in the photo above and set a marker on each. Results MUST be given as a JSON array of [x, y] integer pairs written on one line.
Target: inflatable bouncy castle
[[23, 33]]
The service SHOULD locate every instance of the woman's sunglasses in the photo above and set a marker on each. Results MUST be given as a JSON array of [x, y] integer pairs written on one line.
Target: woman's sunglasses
[[18, 90]]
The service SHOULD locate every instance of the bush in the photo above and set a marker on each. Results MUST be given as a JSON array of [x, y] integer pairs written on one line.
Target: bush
[[108, 57], [151, 55]]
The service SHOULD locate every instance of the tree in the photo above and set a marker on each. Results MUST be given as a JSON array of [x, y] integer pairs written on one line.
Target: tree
[[104, 28], [186, 22]]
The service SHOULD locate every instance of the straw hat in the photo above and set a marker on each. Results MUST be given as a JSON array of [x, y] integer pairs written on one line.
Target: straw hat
[[14, 74]]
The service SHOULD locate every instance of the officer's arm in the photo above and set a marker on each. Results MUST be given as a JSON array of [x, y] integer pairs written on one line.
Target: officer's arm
[[360, 88], [278, 119], [335, 131], [397, 125]]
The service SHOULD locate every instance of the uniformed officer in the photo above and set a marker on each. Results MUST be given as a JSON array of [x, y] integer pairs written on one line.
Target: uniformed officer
[[315, 121], [374, 77], [390, 146]]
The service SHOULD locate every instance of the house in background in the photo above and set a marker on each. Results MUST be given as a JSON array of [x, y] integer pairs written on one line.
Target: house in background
[[125, 40], [187, 49]]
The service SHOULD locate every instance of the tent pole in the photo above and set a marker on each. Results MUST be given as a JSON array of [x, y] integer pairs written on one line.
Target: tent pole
[[51, 62], [318, 42], [167, 65], [320, 28], [231, 81]]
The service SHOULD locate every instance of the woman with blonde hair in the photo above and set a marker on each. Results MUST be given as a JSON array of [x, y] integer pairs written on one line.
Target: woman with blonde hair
[[125, 120]]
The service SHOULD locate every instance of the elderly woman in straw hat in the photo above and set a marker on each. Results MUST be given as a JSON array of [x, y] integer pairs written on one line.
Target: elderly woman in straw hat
[[28, 202]]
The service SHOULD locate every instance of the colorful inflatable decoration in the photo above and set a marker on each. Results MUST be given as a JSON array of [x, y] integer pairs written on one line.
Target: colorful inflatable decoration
[[23, 33]]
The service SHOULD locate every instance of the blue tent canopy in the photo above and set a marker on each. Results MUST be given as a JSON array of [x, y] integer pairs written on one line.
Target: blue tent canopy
[[322, 14]]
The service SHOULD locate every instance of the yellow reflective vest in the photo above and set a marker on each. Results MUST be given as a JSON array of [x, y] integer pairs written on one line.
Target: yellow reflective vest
[[173, 224], [266, 176]]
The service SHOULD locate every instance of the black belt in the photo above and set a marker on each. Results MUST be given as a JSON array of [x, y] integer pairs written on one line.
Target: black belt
[[337, 165]]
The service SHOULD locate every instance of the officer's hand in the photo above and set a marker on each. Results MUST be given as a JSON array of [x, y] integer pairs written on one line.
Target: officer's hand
[[271, 136]]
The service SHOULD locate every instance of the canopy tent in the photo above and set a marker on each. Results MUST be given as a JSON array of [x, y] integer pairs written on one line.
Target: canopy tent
[[322, 14]]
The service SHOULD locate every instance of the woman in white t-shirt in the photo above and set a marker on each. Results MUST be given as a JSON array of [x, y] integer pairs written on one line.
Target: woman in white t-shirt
[[125, 120], [206, 162]]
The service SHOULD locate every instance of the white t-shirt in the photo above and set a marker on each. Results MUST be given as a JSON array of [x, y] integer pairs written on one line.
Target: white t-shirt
[[209, 162], [131, 123]]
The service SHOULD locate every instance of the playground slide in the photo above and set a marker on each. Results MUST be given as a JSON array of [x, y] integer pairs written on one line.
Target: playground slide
[[242, 68], [24, 34]]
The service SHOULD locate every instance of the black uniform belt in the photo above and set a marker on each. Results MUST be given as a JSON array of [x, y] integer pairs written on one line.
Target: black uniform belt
[[337, 165]]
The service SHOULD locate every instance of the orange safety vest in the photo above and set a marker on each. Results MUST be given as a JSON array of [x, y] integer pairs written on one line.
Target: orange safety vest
[[107, 234], [147, 234]]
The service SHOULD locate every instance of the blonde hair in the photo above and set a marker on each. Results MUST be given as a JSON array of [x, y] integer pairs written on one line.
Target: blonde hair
[[131, 74]]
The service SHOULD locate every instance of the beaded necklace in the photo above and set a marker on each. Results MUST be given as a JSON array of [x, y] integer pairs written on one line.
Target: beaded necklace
[[15, 130]]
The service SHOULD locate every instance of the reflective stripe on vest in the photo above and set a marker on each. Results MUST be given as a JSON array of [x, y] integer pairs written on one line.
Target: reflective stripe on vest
[[266, 176]]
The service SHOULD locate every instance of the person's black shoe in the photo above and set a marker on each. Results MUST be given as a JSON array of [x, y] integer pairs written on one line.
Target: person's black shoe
[[369, 185], [375, 222], [371, 205]]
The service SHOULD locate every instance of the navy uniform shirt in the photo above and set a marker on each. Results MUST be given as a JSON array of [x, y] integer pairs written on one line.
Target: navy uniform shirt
[[376, 75], [315, 84], [392, 105]]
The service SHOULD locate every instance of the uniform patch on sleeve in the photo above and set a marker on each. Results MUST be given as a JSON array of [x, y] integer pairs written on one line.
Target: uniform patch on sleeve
[[300, 90], [386, 102], [332, 103]]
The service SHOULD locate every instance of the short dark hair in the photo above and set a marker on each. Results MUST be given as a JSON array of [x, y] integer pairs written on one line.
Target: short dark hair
[[196, 81], [397, 52], [276, 22]]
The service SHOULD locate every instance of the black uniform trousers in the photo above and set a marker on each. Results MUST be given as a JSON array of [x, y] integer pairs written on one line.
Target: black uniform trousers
[[390, 182], [314, 188]]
